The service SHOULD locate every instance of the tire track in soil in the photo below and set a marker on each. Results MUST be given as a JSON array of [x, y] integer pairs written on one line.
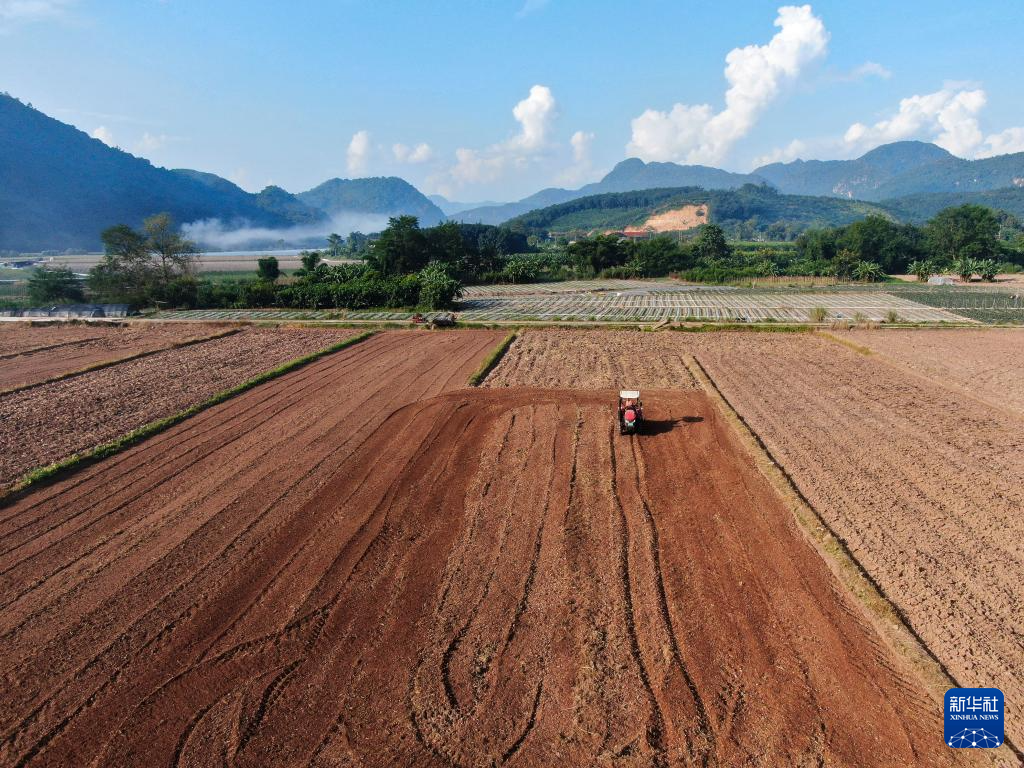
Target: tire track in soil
[[606, 592]]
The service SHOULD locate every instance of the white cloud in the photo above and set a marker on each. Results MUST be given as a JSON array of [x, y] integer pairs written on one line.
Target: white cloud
[[582, 167], [535, 115], [1004, 143], [14, 12], [104, 135], [152, 142], [421, 153], [949, 117], [755, 73], [358, 155], [792, 151]]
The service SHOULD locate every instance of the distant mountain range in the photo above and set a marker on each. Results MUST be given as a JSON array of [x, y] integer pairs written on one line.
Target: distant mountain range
[[59, 188]]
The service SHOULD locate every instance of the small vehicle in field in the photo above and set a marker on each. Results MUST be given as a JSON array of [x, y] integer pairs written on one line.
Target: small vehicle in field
[[418, 319], [631, 412]]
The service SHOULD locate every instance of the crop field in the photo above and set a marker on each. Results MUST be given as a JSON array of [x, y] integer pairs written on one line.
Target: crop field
[[703, 304], [19, 337], [44, 355], [57, 419], [362, 562], [651, 303], [984, 363], [997, 304]]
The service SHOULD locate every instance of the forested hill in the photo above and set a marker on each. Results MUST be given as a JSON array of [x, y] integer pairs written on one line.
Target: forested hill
[[379, 195], [895, 170], [61, 188], [746, 212]]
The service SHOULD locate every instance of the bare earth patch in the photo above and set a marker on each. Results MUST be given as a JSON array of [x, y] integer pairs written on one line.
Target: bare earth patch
[[678, 219], [18, 337], [593, 360], [922, 484], [988, 363], [47, 423]]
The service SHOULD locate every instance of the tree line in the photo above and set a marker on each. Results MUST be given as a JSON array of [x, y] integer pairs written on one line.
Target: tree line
[[409, 266]]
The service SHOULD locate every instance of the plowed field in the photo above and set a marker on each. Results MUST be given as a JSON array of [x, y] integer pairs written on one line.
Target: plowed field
[[52, 421], [986, 363], [346, 567], [102, 344]]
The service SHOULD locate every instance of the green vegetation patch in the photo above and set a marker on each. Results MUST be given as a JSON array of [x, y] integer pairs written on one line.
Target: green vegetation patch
[[492, 360]]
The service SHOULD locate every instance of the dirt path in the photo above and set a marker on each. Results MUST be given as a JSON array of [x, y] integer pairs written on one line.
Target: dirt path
[[100, 346], [346, 567]]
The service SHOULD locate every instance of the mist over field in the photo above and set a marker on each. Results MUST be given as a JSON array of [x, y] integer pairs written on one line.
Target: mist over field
[[216, 234]]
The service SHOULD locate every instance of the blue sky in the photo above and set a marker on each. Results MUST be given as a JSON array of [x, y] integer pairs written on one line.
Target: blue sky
[[494, 100]]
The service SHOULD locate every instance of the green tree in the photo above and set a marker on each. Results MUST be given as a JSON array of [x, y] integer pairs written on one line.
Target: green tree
[[987, 269], [922, 269], [965, 232], [310, 259], [334, 243], [57, 285], [868, 272], [710, 245], [174, 255], [268, 268], [401, 247], [965, 267], [438, 289]]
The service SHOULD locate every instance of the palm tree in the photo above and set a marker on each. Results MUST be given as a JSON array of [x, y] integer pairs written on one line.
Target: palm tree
[[867, 272], [334, 244], [965, 267]]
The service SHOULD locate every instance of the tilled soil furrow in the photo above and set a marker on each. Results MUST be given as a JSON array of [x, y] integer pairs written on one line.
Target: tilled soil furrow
[[476, 577]]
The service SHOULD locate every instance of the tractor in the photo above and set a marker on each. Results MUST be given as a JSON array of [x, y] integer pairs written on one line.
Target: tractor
[[630, 412]]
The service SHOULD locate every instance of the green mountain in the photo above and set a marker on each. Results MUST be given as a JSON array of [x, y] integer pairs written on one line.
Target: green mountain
[[745, 212], [917, 209], [895, 170], [390, 196], [282, 203], [60, 188], [629, 175]]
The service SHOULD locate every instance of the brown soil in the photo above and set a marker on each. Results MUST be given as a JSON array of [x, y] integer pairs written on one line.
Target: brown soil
[[922, 483], [678, 219], [345, 567], [17, 337], [103, 344], [50, 422], [986, 363], [593, 360]]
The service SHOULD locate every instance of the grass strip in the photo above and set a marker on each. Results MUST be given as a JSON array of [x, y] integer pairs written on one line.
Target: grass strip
[[886, 617], [858, 348], [117, 361], [492, 360], [78, 460]]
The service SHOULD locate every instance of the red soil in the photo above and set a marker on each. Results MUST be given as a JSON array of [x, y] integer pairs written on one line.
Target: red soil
[[342, 568]]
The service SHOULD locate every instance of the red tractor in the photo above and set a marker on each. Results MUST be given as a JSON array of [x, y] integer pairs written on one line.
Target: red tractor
[[631, 412]]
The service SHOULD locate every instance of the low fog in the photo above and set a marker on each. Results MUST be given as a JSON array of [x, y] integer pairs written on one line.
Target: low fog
[[216, 235]]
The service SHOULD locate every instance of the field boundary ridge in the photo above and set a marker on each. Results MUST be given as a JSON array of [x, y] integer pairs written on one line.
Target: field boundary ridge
[[59, 469]]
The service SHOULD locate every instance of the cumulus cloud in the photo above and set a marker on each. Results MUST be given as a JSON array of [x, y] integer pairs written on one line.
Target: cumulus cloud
[[949, 117], [104, 135], [755, 73], [358, 155], [421, 153], [535, 115], [1004, 143], [582, 167], [792, 151], [15, 12]]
